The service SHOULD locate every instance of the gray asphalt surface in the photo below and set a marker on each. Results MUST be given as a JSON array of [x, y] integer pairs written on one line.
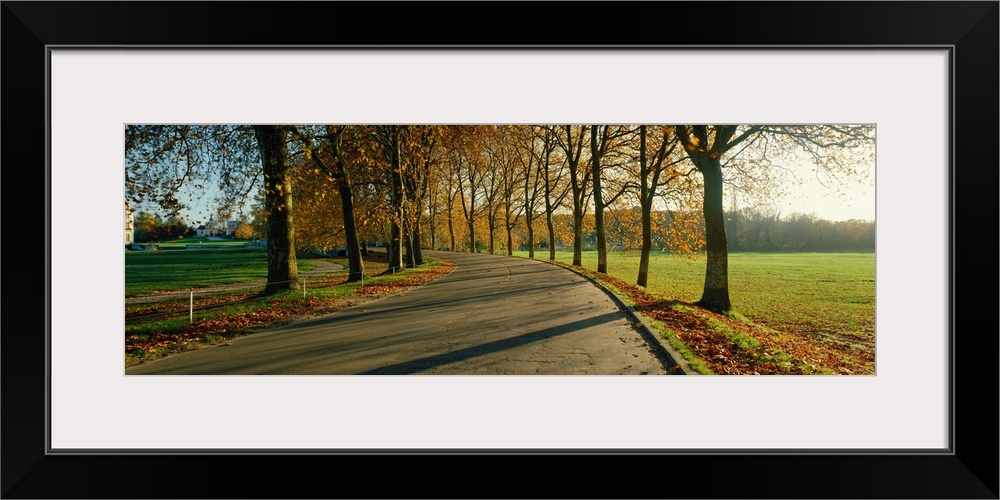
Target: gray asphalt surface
[[492, 315]]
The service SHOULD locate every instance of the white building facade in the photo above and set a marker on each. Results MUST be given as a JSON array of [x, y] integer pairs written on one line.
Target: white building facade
[[129, 224]]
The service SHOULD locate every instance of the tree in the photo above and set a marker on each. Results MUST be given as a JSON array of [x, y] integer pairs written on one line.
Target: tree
[[173, 228], [421, 157], [244, 231], [511, 180], [160, 160], [654, 172], [531, 158], [554, 187], [319, 218], [147, 227], [707, 145], [494, 179], [434, 201], [579, 183], [258, 217], [763, 230], [466, 155], [601, 139], [334, 147], [389, 138], [282, 268], [451, 193], [473, 176]]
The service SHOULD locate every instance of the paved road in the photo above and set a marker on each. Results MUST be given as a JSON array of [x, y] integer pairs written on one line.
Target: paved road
[[492, 315]]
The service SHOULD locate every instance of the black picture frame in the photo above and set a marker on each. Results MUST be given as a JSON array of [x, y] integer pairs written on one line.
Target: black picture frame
[[969, 470]]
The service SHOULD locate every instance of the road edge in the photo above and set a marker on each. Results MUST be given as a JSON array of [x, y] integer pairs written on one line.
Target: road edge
[[651, 331]]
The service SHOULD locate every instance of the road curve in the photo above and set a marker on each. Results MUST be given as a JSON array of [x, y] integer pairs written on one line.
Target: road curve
[[493, 315]]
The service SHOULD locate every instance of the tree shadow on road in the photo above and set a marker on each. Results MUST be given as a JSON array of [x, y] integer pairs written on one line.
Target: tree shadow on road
[[417, 365]]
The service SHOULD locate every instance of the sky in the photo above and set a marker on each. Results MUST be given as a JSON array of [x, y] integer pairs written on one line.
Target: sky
[[854, 200]]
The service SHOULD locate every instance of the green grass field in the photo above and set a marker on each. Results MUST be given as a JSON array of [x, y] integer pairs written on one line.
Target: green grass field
[[822, 294], [146, 272], [196, 240]]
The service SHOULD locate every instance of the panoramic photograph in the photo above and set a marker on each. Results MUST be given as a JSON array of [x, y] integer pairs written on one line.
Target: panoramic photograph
[[499, 249]]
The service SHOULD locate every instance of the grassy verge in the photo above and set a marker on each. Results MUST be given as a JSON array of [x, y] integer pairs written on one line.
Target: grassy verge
[[821, 321], [195, 240], [694, 361], [165, 335], [147, 272]]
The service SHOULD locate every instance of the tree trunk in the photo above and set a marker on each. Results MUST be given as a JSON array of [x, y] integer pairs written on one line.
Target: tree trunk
[[529, 209], [578, 195], [548, 210], [510, 241], [408, 246], [716, 293], [552, 236], [355, 263], [647, 187], [431, 229], [493, 228], [578, 236], [406, 242], [418, 255], [472, 236], [647, 242], [282, 269], [451, 230], [531, 237], [395, 250], [602, 248]]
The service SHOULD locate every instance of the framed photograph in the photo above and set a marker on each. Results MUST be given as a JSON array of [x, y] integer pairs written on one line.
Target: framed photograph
[[924, 73]]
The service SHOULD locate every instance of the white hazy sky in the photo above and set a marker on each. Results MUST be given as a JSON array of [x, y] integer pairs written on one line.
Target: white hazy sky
[[847, 199], [812, 197]]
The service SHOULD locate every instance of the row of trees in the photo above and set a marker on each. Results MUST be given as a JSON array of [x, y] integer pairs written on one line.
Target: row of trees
[[153, 227], [404, 184], [768, 231], [746, 230], [150, 226]]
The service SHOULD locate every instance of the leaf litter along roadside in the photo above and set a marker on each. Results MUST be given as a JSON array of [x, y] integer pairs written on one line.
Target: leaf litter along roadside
[[732, 345], [177, 335]]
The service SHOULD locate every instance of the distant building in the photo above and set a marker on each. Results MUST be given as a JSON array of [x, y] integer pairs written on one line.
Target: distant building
[[210, 228], [129, 224], [214, 228]]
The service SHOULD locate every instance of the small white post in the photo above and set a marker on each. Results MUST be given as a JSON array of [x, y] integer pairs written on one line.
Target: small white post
[[191, 308], [303, 288]]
